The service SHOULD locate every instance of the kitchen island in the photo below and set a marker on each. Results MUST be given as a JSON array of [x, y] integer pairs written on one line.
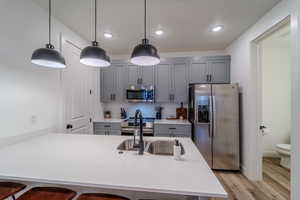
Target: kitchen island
[[93, 161]]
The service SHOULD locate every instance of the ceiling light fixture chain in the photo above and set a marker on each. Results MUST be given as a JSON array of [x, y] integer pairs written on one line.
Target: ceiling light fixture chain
[[49, 45], [95, 1], [145, 19]]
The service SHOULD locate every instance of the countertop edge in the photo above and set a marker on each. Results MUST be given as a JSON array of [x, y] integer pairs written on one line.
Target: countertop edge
[[117, 187]]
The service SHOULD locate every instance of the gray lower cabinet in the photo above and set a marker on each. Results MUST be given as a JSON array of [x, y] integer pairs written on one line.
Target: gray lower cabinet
[[210, 70], [172, 130], [107, 128]]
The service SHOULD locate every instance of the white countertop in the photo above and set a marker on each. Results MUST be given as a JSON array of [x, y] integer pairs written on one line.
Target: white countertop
[[111, 120], [94, 161], [166, 121]]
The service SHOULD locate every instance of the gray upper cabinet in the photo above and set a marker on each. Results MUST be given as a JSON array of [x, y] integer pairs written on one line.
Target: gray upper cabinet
[[220, 71], [138, 75], [133, 75], [198, 72], [180, 83], [210, 70], [163, 83], [172, 83], [147, 75], [113, 83], [170, 78], [108, 84]]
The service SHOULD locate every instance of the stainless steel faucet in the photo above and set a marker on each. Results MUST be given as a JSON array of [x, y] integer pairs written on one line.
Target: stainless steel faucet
[[140, 145]]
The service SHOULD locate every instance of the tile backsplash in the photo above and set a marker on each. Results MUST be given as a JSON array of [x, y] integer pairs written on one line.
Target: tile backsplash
[[148, 110]]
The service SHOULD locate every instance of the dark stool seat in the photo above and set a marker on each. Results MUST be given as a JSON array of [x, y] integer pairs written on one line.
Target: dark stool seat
[[99, 196], [48, 193], [8, 189]]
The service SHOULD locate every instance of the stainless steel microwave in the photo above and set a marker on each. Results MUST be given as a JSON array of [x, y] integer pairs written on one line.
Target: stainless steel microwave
[[140, 95]]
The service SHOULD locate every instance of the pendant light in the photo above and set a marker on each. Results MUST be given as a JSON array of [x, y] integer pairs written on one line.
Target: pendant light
[[48, 57], [145, 54], [94, 55]]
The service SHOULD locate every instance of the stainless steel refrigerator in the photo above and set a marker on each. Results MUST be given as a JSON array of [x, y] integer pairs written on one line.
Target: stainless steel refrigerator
[[214, 113]]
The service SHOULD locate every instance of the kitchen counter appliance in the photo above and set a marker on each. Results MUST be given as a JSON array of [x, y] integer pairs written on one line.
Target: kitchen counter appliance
[[128, 126], [140, 94], [214, 113]]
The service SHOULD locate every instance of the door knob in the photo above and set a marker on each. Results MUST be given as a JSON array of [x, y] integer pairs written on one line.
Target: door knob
[[69, 126]]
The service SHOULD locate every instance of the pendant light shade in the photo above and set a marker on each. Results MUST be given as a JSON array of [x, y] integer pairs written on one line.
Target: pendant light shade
[[94, 55], [145, 54], [48, 57]]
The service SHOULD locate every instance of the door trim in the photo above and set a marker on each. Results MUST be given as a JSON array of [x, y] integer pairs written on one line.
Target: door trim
[[63, 117], [255, 46]]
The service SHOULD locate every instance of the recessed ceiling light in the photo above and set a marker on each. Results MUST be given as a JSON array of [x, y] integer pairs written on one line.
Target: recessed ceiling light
[[217, 28], [108, 35], [159, 32]]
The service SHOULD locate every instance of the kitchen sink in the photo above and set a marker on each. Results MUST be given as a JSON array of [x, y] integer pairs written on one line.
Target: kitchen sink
[[163, 147], [158, 147], [127, 145]]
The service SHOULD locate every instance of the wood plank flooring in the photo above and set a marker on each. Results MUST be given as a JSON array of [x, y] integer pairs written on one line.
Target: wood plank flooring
[[275, 184]]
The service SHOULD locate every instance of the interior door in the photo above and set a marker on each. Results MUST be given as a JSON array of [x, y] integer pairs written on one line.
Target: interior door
[[76, 90], [203, 121], [226, 127]]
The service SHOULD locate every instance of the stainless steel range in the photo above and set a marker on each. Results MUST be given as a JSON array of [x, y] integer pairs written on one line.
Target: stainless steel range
[[128, 126]]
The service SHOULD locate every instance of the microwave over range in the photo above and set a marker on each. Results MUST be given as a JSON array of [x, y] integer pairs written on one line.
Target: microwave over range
[[142, 94]]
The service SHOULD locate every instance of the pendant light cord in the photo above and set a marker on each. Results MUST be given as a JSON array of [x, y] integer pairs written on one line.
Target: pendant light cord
[[95, 20], [50, 21], [145, 21]]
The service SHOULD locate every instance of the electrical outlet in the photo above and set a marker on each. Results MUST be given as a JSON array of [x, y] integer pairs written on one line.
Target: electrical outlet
[[33, 119]]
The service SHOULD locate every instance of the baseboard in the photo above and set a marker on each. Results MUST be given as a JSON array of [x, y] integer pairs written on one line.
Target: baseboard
[[6, 141]]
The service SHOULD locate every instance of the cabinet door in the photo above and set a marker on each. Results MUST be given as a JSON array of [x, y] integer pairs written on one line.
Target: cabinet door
[[198, 72], [163, 83], [180, 83], [133, 74], [107, 84], [122, 83], [220, 71], [147, 75]]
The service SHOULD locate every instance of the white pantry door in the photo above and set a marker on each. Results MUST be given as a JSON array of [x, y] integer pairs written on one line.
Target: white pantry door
[[76, 91]]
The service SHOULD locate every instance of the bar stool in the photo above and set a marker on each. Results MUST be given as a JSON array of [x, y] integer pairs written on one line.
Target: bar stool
[[8, 189], [99, 196], [48, 193]]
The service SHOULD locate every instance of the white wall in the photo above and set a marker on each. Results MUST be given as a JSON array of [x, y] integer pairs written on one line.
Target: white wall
[[30, 96], [242, 71], [276, 94]]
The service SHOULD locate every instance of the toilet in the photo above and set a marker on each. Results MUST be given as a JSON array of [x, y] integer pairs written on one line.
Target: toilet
[[284, 151]]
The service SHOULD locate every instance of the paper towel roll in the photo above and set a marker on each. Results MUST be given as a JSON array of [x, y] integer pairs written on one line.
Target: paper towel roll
[[266, 131]]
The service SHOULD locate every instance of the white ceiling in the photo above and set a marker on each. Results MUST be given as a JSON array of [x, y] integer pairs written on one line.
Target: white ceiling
[[187, 23]]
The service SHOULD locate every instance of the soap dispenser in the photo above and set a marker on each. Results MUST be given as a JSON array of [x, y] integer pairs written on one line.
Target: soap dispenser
[[177, 150]]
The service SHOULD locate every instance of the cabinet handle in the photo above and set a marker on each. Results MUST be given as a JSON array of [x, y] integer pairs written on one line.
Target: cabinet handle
[[207, 78], [210, 78], [172, 128], [107, 126]]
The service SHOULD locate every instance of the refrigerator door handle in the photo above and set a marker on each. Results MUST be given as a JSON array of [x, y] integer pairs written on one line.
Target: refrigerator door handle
[[210, 117], [214, 113]]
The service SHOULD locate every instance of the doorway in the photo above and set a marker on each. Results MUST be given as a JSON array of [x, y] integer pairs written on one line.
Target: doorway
[[274, 105], [77, 92]]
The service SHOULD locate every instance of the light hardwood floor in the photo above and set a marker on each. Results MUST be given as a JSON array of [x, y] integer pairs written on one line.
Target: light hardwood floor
[[275, 184]]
